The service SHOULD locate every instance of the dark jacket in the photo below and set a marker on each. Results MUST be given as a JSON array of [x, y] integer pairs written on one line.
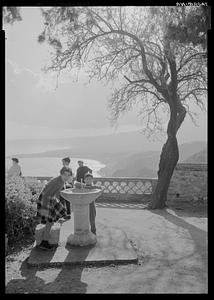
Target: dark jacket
[[52, 188], [81, 171]]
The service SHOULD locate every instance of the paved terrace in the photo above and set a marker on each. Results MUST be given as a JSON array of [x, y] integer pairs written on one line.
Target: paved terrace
[[165, 250], [171, 247]]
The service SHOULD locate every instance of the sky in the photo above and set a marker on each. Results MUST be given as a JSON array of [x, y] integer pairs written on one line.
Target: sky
[[35, 108]]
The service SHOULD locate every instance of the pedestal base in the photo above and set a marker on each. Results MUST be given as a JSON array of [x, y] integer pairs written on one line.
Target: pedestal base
[[82, 239]]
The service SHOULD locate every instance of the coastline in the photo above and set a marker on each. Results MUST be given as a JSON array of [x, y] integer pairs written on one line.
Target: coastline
[[50, 166]]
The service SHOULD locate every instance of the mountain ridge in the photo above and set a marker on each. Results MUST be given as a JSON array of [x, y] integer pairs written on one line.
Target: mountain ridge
[[124, 154], [146, 163]]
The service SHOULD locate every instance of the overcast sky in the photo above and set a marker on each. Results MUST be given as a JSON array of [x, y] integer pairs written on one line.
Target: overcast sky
[[35, 108]]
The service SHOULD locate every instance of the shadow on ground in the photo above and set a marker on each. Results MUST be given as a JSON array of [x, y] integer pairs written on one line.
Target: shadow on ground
[[68, 280], [199, 236], [187, 210]]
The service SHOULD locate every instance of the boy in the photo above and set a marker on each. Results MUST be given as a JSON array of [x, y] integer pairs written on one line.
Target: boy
[[49, 207], [88, 178]]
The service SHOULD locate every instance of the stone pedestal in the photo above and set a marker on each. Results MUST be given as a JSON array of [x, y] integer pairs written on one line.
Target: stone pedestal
[[80, 199], [82, 235]]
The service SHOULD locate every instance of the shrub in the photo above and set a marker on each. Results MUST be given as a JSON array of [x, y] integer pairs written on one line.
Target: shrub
[[20, 209], [34, 186]]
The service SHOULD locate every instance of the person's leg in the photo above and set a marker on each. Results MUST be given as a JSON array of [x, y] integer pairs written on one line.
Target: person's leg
[[68, 207], [47, 230], [62, 200], [92, 214], [46, 235], [38, 208]]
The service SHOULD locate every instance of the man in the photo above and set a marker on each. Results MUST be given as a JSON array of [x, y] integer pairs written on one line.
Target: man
[[15, 169], [49, 207], [65, 162], [81, 171]]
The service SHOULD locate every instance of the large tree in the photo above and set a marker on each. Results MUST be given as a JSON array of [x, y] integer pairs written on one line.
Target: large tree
[[140, 51]]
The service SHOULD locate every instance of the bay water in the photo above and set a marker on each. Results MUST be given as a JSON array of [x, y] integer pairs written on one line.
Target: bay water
[[50, 166]]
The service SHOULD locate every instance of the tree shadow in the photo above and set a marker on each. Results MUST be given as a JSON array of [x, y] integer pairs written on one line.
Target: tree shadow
[[188, 210], [198, 235], [67, 281], [31, 283]]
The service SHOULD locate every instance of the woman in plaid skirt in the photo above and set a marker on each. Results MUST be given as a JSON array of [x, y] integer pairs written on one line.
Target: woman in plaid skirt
[[49, 208]]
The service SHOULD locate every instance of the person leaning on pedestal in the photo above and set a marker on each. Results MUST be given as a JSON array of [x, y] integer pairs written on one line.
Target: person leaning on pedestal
[[49, 207]]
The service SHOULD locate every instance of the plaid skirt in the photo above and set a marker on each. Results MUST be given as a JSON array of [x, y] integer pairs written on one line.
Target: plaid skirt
[[55, 210]]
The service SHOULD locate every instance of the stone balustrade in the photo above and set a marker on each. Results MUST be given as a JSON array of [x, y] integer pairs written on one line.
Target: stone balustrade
[[125, 188], [117, 188], [189, 181]]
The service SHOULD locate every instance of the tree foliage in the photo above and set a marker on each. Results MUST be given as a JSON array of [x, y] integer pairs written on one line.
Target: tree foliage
[[11, 14], [192, 26], [134, 48]]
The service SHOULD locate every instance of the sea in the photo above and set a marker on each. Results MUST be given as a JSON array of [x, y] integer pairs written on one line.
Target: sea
[[46, 166], [50, 166]]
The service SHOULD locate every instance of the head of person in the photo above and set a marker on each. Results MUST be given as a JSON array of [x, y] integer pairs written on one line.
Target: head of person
[[15, 161], [65, 173], [66, 161], [88, 178], [80, 163]]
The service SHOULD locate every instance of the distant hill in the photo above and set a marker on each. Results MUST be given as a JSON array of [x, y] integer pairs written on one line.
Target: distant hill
[[145, 164], [124, 154], [90, 146], [199, 157], [188, 149], [138, 164], [131, 172]]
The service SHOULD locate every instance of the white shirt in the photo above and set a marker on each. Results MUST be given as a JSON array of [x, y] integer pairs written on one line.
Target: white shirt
[[14, 171]]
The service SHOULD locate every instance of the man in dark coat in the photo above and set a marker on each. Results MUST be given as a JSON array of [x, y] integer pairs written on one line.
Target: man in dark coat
[[81, 171]]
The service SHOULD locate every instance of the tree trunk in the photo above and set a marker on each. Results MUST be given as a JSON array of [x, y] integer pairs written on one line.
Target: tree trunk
[[169, 156], [170, 153], [168, 160]]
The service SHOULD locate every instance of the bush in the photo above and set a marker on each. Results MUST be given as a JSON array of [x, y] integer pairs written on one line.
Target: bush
[[34, 186], [20, 208]]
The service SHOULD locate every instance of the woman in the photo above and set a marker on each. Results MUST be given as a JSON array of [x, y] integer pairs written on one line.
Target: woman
[[49, 207], [15, 169]]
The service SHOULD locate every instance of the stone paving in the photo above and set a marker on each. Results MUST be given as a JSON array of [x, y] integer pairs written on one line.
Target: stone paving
[[171, 246], [112, 246]]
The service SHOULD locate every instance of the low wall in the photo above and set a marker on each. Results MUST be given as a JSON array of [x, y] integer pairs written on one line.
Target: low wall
[[120, 189], [189, 182]]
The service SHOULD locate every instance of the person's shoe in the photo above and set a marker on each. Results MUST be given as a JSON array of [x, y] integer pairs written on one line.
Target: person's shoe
[[67, 217], [45, 245], [61, 220]]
